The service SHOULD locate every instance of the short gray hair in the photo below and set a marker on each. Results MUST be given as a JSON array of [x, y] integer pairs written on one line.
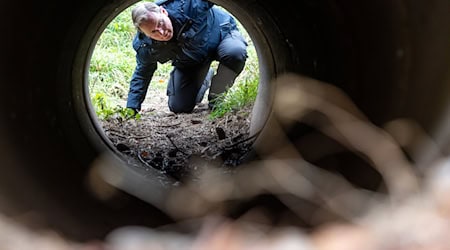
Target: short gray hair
[[139, 14]]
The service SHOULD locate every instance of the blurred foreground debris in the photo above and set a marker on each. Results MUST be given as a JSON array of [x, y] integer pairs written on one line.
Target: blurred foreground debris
[[412, 214]]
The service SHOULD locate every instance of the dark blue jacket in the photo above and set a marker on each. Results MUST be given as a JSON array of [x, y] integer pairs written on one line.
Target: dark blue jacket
[[198, 26]]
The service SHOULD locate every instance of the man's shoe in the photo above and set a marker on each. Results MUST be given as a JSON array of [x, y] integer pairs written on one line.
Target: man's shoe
[[205, 86], [212, 104]]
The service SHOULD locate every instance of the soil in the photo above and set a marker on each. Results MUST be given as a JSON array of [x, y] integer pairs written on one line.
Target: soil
[[173, 143]]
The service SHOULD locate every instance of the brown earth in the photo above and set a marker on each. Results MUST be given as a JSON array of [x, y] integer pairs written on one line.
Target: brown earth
[[169, 142]]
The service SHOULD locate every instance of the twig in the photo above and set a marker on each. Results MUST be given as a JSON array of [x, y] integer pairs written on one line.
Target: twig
[[171, 141], [242, 141], [169, 125], [139, 137], [143, 161], [115, 133]]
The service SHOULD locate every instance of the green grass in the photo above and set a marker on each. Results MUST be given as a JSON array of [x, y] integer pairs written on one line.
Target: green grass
[[113, 62], [243, 92]]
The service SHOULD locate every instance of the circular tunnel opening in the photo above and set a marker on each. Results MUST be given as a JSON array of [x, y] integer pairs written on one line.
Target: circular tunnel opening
[[317, 51], [328, 44], [178, 145], [385, 63]]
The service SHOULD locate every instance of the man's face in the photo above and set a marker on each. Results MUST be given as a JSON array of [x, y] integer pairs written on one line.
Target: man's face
[[159, 27]]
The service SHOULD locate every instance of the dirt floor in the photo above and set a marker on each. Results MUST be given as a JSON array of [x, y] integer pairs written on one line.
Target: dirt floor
[[168, 142]]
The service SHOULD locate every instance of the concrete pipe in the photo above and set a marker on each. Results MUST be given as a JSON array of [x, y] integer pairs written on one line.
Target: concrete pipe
[[390, 59]]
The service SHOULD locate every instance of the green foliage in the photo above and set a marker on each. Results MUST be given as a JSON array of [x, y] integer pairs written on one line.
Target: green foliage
[[113, 60], [235, 98], [245, 89], [105, 110]]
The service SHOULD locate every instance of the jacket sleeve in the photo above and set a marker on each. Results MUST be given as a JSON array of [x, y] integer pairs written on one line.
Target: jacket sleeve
[[143, 73]]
